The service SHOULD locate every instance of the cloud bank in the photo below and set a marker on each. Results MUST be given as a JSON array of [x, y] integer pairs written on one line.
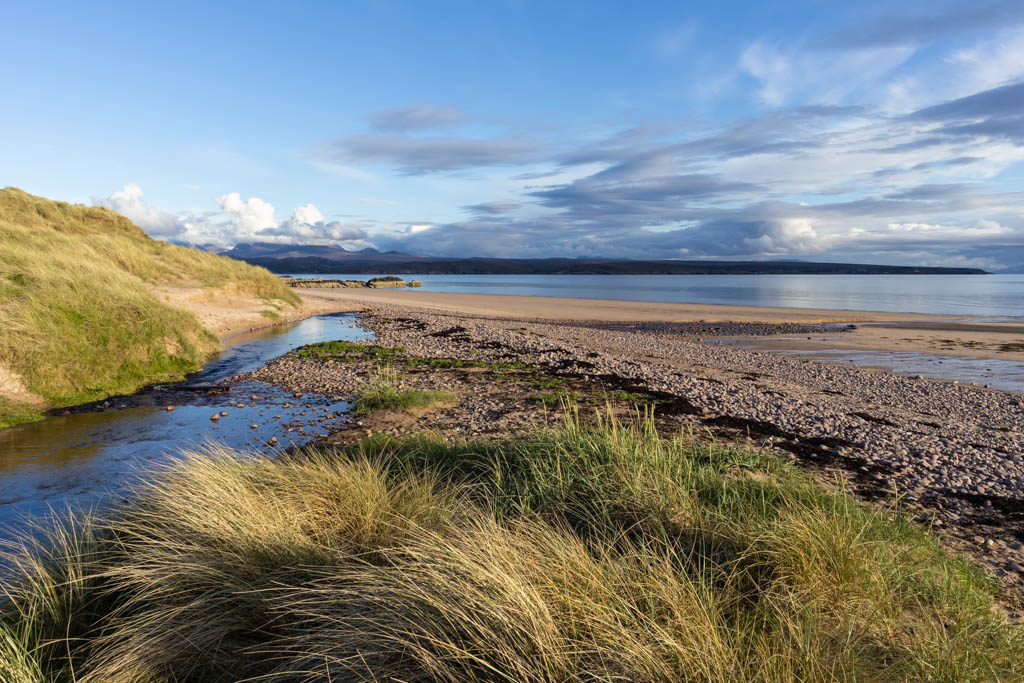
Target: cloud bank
[[899, 139], [237, 220]]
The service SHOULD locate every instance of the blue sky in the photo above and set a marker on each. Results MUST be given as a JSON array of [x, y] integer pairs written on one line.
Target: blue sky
[[812, 130]]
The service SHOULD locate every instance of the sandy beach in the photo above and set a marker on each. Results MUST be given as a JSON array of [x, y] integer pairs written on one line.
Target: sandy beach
[[229, 314], [905, 332]]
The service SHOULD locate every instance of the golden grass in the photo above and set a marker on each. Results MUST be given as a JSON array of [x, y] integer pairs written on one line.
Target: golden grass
[[583, 554], [78, 319]]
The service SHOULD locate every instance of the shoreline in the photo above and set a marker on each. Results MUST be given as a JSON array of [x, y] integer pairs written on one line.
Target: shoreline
[[945, 453], [611, 310], [874, 330]]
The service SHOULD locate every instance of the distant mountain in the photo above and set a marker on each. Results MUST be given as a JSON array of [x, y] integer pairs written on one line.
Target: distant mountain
[[293, 261], [265, 250]]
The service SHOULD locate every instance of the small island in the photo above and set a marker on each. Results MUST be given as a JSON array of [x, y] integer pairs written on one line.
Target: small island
[[374, 283]]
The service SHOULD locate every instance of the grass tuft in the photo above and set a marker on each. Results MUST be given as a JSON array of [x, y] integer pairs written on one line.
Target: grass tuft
[[602, 553], [385, 392], [346, 351]]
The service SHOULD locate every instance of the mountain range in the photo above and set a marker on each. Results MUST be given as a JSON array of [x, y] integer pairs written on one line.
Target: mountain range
[[319, 259], [265, 250]]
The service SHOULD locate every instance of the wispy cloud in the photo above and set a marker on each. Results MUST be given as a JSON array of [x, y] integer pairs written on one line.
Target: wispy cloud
[[414, 117], [414, 156], [915, 26]]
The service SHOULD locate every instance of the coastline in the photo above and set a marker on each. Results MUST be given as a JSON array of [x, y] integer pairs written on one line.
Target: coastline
[[946, 454], [634, 431], [879, 331], [609, 310]]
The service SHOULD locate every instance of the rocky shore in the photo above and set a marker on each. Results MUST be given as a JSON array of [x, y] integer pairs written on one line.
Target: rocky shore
[[950, 455], [373, 283]]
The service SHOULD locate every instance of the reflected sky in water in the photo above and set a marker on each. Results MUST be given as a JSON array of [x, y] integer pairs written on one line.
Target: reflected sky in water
[[86, 459]]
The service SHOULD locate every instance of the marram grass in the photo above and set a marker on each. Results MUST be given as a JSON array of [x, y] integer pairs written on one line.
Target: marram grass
[[384, 391], [596, 554], [78, 318]]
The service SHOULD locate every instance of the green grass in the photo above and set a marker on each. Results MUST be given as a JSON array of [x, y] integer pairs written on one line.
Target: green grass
[[14, 413], [542, 382], [555, 398], [346, 351], [350, 352], [79, 319], [586, 554], [385, 392], [460, 363]]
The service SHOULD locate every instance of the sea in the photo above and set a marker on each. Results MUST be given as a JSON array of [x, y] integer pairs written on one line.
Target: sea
[[996, 296]]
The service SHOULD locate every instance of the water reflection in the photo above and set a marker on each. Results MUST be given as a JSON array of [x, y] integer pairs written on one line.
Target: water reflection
[[86, 459], [995, 295]]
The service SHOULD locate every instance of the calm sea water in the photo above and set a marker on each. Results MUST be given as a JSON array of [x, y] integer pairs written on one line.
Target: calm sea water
[[976, 295]]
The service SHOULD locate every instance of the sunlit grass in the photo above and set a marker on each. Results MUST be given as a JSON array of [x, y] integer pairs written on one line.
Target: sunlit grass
[[581, 553], [384, 391], [78, 318]]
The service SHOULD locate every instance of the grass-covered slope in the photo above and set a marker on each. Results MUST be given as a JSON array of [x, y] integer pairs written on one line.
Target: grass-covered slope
[[78, 316], [575, 555]]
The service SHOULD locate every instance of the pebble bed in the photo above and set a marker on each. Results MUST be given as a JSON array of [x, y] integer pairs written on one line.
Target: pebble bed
[[952, 454]]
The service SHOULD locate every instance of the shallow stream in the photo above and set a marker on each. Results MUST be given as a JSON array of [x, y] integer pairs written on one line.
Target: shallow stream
[[85, 459]]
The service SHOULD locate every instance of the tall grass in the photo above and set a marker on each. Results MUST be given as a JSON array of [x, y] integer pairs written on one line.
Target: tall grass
[[579, 554], [78, 317], [384, 391]]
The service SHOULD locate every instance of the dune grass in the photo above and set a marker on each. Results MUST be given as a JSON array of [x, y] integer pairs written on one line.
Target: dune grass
[[585, 553], [78, 318], [384, 391]]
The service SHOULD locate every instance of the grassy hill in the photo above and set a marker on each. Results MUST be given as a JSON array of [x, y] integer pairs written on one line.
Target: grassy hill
[[79, 315]]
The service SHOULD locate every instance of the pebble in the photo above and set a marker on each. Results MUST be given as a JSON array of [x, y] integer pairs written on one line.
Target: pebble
[[932, 438]]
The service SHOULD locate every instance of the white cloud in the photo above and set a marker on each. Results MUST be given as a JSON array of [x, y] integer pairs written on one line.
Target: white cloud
[[788, 236], [982, 228], [128, 202], [238, 220], [815, 78], [249, 216], [307, 214], [992, 62]]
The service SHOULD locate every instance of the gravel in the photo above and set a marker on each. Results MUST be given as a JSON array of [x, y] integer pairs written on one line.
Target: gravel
[[952, 453]]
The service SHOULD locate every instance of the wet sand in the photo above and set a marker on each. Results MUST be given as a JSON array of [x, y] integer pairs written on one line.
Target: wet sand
[[551, 308], [971, 339], [910, 332]]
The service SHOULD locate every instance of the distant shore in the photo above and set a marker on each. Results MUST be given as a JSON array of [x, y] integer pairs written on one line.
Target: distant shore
[[901, 332]]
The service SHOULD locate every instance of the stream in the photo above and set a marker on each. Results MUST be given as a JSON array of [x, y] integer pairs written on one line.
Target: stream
[[86, 459]]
